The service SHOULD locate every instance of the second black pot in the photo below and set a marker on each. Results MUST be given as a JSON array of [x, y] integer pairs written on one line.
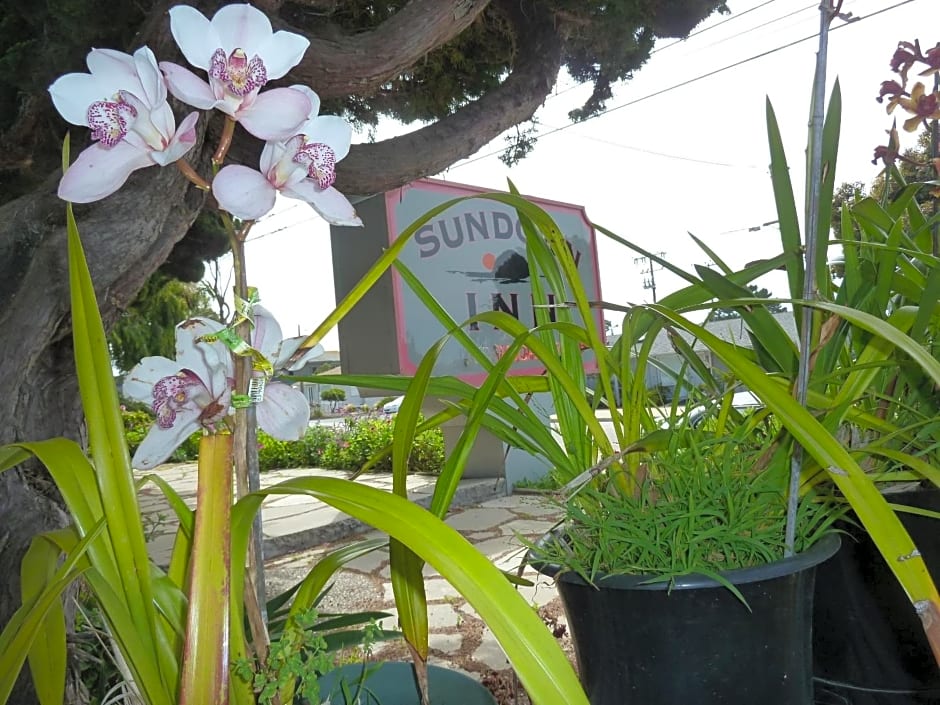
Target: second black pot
[[869, 645], [641, 643]]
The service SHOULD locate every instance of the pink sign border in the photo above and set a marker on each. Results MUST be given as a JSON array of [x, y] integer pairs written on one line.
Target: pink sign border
[[406, 365]]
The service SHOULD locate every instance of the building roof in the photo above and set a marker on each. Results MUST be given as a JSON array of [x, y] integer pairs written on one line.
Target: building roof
[[732, 330]]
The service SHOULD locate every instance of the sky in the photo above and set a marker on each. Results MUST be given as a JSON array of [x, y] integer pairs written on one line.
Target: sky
[[678, 151]]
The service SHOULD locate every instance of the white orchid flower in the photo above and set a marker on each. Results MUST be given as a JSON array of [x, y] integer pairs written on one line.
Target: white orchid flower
[[283, 411], [123, 101], [190, 393], [303, 167], [240, 53]]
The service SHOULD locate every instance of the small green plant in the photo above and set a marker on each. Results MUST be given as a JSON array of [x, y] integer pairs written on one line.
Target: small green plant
[[705, 504], [334, 396], [303, 651]]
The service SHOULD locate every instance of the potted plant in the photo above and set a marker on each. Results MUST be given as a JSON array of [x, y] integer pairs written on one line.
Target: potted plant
[[642, 451]]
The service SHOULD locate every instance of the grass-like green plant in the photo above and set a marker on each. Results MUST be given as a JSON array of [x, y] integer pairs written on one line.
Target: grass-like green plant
[[705, 504]]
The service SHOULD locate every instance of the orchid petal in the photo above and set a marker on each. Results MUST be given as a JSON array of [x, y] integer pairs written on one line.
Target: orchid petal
[[187, 86], [151, 80], [159, 443], [911, 124], [73, 93], [243, 192], [99, 171], [311, 96], [195, 36], [114, 71], [242, 27], [332, 131], [138, 384], [162, 119], [276, 114], [289, 347], [281, 52], [182, 141], [211, 362], [270, 155], [266, 335], [284, 413], [332, 206]]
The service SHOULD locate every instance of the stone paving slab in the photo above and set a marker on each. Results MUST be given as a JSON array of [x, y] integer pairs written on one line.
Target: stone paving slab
[[290, 522]]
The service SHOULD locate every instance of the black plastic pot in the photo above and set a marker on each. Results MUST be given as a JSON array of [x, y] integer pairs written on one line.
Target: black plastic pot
[[869, 645], [393, 683], [641, 643]]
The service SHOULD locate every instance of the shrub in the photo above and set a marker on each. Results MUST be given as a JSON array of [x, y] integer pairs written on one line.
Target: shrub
[[344, 447]]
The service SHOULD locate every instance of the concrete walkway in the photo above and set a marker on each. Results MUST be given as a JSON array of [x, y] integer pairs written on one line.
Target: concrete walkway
[[298, 531]]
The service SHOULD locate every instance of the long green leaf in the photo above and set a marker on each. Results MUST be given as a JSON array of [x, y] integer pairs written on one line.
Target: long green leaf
[[47, 655], [26, 623], [787, 213], [110, 456]]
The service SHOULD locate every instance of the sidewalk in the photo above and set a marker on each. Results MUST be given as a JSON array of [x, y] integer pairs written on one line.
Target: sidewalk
[[292, 522], [298, 531]]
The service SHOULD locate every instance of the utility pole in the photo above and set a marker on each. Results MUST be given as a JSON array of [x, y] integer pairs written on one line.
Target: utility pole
[[649, 281]]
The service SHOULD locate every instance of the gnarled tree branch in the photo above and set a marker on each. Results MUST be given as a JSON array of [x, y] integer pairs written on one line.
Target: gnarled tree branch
[[359, 64], [435, 147]]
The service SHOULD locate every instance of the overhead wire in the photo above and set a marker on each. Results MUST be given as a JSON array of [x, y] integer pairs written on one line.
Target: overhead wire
[[690, 81]]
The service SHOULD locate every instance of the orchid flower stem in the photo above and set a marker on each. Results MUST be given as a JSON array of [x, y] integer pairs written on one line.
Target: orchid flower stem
[[935, 159], [187, 170], [247, 472], [225, 141], [205, 677]]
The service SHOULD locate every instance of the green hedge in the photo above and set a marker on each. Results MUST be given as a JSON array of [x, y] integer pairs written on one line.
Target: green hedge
[[343, 447]]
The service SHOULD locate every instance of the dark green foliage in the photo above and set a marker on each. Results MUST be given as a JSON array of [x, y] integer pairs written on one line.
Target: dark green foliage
[[346, 447], [605, 42], [148, 326], [205, 240], [38, 42]]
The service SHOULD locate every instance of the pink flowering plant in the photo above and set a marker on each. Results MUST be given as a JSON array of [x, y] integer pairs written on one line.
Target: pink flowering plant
[[177, 630]]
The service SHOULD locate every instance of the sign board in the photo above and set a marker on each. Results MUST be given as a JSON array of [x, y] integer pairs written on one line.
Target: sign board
[[471, 257]]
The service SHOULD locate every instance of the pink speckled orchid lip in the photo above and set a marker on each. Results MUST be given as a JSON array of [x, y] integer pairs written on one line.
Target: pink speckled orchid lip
[[123, 101], [188, 394], [240, 53], [302, 167]]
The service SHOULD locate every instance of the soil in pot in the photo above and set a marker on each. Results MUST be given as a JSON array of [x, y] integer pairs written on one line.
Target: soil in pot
[[869, 646], [643, 643], [393, 683]]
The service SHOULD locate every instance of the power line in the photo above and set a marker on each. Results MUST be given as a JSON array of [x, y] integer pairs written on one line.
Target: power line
[[814, 6], [690, 81], [662, 154], [694, 34]]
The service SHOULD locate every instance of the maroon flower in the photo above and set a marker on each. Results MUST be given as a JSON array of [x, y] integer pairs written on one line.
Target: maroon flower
[[894, 91], [904, 57], [922, 105], [932, 59]]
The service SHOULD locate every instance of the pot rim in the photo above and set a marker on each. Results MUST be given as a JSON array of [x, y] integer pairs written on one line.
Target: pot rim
[[822, 550]]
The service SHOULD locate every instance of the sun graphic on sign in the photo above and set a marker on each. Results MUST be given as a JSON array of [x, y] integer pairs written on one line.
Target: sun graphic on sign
[[508, 267]]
